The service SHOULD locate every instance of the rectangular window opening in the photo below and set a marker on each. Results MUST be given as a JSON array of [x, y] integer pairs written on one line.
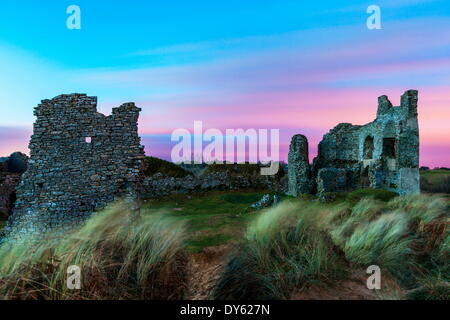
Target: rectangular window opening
[[389, 147]]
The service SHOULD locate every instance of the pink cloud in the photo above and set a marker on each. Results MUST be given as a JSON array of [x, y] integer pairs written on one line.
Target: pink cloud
[[296, 85], [14, 139], [312, 113]]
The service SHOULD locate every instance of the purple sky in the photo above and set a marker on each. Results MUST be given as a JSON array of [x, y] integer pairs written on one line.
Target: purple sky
[[288, 65]]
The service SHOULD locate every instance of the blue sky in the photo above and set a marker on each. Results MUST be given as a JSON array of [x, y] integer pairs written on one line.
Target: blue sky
[[225, 61], [112, 30]]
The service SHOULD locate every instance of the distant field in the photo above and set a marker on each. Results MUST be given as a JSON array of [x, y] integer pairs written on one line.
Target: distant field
[[435, 181], [435, 173]]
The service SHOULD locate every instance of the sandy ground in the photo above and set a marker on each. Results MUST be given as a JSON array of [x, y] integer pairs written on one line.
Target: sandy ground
[[205, 268], [204, 271]]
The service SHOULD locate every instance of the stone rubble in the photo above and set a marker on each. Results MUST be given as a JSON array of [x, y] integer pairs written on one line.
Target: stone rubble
[[266, 201]]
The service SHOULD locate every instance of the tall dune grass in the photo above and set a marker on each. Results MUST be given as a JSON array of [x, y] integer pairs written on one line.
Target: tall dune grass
[[286, 248], [402, 236], [303, 242], [120, 257], [283, 250]]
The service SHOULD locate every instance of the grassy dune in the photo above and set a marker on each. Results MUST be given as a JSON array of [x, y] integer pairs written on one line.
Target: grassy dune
[[212, 218], [121, 257], [272, 253], [300, 243]]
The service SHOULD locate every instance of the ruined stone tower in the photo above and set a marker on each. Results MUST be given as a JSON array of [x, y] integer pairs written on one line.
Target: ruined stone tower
[[80, 160], [299, 170], [383, 154]]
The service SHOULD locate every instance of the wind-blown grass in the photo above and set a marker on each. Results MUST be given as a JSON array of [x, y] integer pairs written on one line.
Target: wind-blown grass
[[403, 236], [120, 257], [302, 242], [283, 250], [382, 242]]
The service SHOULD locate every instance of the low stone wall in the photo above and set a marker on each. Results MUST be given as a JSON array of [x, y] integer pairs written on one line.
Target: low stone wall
[[159, 185], [11, 169]]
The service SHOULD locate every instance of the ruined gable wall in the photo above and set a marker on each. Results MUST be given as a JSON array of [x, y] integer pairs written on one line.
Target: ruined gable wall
[[340, 146], [343, 162], [337, 167], [68, 176]]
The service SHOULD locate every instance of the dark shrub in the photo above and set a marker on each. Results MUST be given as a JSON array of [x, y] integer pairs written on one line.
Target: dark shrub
[[435, 185], [166, 168]]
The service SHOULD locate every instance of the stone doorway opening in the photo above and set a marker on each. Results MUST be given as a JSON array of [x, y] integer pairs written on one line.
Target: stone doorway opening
[[368, 148], [389, 147]]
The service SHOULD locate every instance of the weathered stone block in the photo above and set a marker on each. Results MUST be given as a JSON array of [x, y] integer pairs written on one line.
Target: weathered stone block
[[299, 171]]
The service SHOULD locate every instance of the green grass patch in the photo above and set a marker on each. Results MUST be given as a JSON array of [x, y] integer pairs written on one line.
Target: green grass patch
[[239, 198], [353, 197], [211, 218], [377, 194], [197, 244], [435, 181], [435, 172]]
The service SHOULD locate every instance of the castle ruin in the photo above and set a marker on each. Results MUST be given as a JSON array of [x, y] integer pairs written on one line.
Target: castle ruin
[[80, 161], [383, 154]]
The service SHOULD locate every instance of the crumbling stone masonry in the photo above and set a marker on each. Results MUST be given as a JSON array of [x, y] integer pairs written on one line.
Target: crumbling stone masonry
[[299, 170], [80, 161], [383, 154]]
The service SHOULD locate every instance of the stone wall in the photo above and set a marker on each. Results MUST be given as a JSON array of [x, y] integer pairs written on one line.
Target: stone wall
[[159, 185], [80, 160], [382, 154], [300, 171]]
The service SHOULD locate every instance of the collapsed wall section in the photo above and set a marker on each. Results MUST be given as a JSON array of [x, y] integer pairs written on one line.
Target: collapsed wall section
[[80, 160]]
